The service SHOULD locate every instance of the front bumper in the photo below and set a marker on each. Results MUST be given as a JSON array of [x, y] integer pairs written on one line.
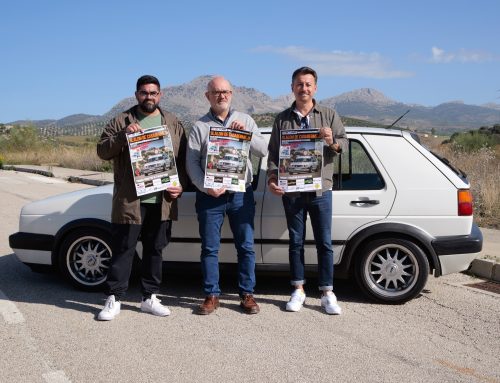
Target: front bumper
[[32, 248]]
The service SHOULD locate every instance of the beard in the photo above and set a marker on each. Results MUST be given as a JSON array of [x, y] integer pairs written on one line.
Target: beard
[[148, 106], [221, 107]]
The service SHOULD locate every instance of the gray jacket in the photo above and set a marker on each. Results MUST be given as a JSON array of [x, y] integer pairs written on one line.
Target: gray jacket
[[320, 116], [196, 154]]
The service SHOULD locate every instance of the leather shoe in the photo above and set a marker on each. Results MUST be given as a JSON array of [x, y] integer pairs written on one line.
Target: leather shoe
[[210, 304], [249, 305]]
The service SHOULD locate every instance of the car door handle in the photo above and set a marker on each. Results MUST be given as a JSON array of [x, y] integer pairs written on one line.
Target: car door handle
[[367, 201]]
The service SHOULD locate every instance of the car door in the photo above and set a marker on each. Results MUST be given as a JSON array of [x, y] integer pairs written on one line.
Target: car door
[[364, 193]]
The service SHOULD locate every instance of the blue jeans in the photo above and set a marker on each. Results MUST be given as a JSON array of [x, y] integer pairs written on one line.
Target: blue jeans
[[240, 209], [296, 206]]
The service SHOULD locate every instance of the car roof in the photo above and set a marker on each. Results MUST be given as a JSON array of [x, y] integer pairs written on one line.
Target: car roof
[[357, 129]]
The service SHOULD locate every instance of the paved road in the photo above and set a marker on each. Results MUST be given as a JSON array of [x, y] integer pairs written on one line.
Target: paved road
[[48, 331]]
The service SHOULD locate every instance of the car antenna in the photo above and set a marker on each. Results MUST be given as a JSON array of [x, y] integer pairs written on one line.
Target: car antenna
[[394, 123]]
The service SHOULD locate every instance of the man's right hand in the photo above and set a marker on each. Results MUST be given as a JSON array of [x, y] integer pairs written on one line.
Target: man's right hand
[[216, 192], [133, 128]]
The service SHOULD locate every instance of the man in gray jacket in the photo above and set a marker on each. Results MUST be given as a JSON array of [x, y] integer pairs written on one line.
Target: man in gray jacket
[[213, 204]]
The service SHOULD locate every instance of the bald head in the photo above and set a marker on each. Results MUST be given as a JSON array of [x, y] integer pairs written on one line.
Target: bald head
[[219, 93], [218, 83]]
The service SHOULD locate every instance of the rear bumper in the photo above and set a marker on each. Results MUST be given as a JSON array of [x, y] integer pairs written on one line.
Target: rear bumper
[[455, 253]]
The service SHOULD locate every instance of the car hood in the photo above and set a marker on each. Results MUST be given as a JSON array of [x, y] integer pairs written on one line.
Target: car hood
[[78, 202]]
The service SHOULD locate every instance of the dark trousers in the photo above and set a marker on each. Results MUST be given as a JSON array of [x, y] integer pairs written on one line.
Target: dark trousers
[[155, 235]]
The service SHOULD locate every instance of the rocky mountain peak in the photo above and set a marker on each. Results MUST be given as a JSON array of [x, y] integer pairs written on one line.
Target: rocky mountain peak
[[365, 95]]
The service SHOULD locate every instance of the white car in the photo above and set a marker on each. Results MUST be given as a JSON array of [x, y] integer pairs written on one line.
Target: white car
[[399, 214], [230, 162], [303, 164]]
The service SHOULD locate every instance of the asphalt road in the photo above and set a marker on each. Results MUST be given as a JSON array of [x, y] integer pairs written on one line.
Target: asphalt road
[[48, 331]]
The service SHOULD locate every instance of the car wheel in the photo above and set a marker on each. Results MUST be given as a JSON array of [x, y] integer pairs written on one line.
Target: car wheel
[[391, 270], [85, 256]]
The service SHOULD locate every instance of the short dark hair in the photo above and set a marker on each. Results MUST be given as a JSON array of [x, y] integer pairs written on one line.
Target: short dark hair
[[305, 70], [147, 79]]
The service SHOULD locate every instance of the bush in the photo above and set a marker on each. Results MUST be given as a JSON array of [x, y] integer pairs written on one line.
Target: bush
[[473, 141]]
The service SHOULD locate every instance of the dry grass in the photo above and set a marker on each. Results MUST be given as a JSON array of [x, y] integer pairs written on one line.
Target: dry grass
[[483, 171], [74, 157]]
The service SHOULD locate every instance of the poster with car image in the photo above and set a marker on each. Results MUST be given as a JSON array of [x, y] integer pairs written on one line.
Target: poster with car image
[[153, 160], [227, 154], [301, 159]]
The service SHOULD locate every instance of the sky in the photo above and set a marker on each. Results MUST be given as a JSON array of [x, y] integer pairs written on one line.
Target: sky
[[66, 57]]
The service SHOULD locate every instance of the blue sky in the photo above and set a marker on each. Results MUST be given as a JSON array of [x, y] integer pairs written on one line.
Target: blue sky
[[65, 57]]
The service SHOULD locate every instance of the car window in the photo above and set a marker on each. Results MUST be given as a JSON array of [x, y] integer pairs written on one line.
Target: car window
[[357, 169]]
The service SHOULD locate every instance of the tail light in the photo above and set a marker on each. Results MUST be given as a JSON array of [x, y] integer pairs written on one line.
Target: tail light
[[464, 202]]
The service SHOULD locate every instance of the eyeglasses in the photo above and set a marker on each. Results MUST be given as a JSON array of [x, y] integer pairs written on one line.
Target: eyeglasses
[[143, 93], [219, 93]]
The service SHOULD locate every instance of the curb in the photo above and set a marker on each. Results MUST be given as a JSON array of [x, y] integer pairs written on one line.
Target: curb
[[485, 268], [45, 173], [88, 181]]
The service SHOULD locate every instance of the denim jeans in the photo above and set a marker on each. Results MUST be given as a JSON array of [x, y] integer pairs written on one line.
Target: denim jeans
[[296, 206], [240, 210]]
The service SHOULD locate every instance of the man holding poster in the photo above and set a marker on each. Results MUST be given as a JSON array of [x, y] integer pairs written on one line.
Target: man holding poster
[[149, 215], [218, 161], [305, 114]]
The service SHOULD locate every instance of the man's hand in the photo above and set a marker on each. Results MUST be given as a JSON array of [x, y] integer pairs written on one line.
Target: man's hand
[[133, 128], [237, 125], [174, 191], [274, 188], [327, 135], [216, 192]]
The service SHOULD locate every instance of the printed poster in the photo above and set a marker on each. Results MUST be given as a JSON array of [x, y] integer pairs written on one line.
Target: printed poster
[[301, 159], [227, 154], [153, 160]]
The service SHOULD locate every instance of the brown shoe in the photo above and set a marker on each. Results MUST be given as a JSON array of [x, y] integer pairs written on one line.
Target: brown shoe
[[249, 305], [210, 304]]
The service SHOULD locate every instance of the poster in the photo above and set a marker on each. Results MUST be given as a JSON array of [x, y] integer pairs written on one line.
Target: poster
[[300, 161], [227, 154], [153, 160]]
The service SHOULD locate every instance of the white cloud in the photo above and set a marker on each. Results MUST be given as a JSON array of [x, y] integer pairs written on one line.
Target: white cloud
[[440, 56], [339, 63]]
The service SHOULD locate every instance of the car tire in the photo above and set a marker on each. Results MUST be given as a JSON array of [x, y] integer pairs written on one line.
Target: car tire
[[84, 258], [391, 270]]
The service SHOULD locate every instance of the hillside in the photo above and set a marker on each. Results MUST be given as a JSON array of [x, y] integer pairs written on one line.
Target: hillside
[[188, 102]]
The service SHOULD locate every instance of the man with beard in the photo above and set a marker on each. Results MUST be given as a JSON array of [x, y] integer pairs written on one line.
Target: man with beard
[[213, 204], [149, 216]]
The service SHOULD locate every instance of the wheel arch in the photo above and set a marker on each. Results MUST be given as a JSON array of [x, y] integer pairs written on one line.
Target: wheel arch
[[73, 225], [388, 229]]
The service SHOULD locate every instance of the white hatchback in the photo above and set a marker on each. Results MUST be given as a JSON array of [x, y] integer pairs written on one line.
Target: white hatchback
[[400, 213]]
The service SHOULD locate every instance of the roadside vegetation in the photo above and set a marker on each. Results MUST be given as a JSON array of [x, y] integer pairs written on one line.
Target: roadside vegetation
[[24, 145], [476, 152]]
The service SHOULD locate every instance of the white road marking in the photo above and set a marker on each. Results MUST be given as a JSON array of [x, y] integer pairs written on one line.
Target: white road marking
[[56, 377], [12, 315], [9, 310]]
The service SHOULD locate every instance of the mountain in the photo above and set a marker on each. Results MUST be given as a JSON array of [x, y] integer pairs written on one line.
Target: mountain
[[372, 105], [188, 102]]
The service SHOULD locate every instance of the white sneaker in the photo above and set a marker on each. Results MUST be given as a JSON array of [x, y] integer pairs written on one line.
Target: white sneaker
[[152, 305], [296, 300], [110, 310], [329, 303]]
